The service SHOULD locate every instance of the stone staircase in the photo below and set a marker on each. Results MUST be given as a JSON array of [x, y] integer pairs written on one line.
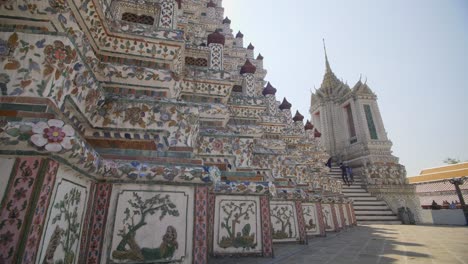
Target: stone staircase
[[368, 209]]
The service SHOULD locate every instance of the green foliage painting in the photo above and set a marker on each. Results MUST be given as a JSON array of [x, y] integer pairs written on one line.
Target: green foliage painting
[[283, 216], [234, 214], [66, 236], [135, 218]]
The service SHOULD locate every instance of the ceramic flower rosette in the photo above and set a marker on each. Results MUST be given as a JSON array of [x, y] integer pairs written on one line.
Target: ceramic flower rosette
[[54, 135]]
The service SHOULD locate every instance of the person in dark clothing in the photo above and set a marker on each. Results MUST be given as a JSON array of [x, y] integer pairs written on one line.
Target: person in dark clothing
[[350, 174], [344, 173], [328, 164]]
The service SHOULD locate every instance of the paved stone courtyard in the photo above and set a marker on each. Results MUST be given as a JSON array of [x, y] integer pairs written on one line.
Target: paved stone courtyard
[[374, 244]]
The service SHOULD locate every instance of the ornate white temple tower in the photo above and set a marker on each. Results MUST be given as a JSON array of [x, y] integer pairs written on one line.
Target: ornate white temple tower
[[350, 121], [353, 132]]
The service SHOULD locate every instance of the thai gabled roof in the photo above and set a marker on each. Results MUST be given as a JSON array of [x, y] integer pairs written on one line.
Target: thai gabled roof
[[361, 88]]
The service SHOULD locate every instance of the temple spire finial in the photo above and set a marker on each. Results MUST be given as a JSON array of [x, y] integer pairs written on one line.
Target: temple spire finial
[[327, 64]]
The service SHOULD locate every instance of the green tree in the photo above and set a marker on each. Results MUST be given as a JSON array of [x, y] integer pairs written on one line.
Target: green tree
[[451, 161], [68, 210]]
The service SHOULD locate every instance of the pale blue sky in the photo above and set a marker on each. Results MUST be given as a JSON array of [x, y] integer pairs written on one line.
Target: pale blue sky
[[414, 54]]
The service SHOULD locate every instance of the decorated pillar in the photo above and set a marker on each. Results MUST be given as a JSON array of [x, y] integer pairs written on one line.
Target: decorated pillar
[[285, 108], [239, 42], [320, 218], [248, 83], [211, 217], [334, 217], [211, 10], [39, 213], [266, 227], [168, 10], [92, 250], [269, 92], [200, 242], [301, 223], [22, 213], [216, 42]]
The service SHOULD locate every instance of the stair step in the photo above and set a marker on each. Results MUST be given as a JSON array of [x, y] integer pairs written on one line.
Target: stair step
[[369, 203], [354, 190], [358, 194], [353, 186], [359, 199], [378, 222], [376, 217], [370, 207], [378, 212]]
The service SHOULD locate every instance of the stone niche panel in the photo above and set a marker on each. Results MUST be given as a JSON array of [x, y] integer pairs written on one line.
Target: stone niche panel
[[237, 228], [328, 217], [62, 234], [284, 221], [311, 219], [150, 224]]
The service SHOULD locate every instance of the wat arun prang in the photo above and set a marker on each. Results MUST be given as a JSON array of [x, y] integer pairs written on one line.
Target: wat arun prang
[[145, 131]]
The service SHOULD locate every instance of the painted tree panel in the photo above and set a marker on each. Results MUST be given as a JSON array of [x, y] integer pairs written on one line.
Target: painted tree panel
[[284, 221], [237, 225], [62, 235], [152, 225]]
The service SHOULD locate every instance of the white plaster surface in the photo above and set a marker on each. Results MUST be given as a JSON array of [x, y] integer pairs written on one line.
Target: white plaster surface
[[6, 165]]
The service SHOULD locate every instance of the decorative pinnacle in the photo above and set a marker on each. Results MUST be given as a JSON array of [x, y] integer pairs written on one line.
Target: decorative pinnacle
[[327, 64]]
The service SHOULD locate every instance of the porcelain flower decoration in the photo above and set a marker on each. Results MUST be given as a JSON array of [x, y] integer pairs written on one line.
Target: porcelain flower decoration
[[53, 135]]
